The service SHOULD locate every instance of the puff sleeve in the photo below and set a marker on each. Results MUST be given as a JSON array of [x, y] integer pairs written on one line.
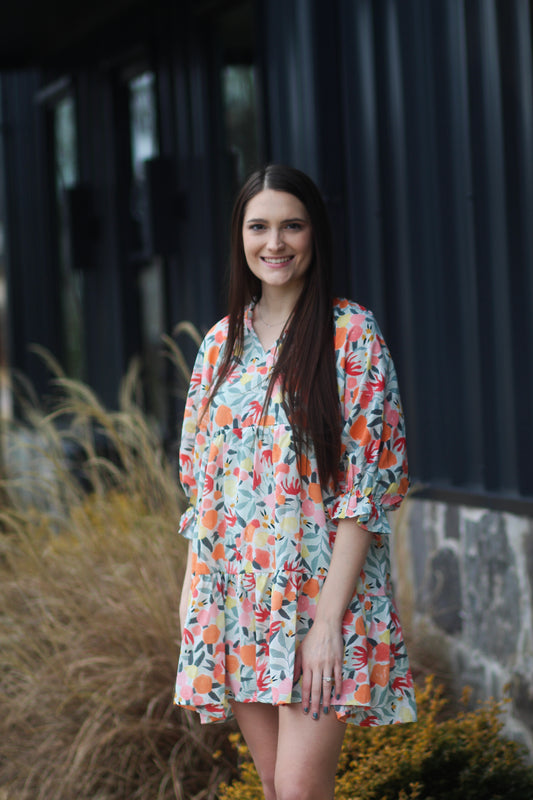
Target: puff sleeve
[[373, 476], [194, 433]]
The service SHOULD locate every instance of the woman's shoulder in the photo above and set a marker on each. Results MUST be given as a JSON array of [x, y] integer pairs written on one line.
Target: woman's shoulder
[[355, 327], [347, 312], [217, 333]]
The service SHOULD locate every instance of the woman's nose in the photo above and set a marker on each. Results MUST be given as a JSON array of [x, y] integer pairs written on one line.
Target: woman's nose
[[275, 240]]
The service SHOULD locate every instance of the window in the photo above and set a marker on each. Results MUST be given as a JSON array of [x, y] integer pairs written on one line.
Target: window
[[144, 142], [239, 86], [65, 143]]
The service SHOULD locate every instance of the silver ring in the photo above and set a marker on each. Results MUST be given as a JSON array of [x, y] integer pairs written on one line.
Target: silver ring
[[328, 680]]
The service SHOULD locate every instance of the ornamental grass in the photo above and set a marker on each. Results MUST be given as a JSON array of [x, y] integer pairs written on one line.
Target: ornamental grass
[[90, 574]]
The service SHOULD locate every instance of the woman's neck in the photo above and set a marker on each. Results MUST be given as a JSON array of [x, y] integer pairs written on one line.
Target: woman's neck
[[277, 303]]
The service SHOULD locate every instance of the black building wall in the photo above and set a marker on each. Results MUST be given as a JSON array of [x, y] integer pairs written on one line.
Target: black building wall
[[416, 120]]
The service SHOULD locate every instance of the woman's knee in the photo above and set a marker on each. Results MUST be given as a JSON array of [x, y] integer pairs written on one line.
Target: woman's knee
[[269, 788], [297, 785]]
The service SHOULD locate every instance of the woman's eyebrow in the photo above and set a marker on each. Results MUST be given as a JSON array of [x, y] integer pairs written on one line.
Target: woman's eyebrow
[[291, 219]]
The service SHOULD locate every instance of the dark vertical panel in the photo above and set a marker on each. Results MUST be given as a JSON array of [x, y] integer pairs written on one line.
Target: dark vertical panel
[[290, 65], [330, 138], [303, 96], [109, 292], [459, 351], [515, 28], [204, 252], [491, 245], [395, 202], [33, 279], [425, 268], [361, 154]]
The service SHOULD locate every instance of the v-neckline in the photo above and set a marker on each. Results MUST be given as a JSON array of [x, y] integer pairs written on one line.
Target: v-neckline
[[249, 320]]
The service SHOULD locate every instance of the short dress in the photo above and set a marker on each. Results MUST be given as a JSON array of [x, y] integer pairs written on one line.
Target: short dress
[[262, 530]]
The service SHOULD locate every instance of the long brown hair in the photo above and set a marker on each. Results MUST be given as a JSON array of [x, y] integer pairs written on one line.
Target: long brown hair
[[306, 361]]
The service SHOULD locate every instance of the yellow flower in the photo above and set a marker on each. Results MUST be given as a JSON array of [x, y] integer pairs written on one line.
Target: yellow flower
[[289, 524], [230, 487], [191, 671]]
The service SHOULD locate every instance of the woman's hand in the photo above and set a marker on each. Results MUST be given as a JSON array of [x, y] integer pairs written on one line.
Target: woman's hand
[[321, 652], [319, 657]]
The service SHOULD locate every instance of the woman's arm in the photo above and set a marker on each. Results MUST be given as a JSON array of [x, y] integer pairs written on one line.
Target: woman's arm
[[322, 650], [186, 589]]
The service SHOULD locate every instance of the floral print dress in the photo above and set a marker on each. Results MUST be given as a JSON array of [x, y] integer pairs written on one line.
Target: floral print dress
[[262, 531]]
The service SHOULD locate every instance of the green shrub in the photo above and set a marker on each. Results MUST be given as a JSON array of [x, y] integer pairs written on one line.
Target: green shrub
[[464, 757]]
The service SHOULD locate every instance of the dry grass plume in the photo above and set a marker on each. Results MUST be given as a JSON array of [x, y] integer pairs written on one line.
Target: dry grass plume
[[90, 571]]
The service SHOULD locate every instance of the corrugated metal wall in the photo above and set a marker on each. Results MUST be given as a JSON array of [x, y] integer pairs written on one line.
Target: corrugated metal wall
[[416, 116]]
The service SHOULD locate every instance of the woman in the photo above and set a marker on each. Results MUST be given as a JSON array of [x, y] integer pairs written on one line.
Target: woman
[[292, 450]]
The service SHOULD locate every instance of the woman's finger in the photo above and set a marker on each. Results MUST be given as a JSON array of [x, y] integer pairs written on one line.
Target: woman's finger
[[307, 678], [316, 693], [337, 688], [328, 683], [297, 665]]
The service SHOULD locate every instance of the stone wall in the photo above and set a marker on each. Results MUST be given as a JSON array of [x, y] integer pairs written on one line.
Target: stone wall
[[464, 582]]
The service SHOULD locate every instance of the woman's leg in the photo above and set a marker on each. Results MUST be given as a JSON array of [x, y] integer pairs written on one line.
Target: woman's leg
[[308, 754], [259, 726], [295, 756]]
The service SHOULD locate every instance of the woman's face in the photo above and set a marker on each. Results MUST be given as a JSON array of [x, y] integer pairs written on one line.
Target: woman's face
[[277, 238]]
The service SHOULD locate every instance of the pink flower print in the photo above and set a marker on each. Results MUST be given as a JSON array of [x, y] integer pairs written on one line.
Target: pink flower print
[[303, 603], [355, 331], [282, 691], [244, 619], [247, 605], [308, 508], [186, 692], [392, 417], [348, 686], [203, 617]]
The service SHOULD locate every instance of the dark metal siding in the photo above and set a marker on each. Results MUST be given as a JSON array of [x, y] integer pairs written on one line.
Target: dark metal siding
[[416, 119], [434, 171]]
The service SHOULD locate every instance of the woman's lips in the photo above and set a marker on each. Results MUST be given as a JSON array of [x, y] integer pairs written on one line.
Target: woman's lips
[[277, 262]]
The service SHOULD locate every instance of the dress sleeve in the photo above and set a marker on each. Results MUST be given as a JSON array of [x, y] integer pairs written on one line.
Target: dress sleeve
[[193, 433], [373, 477]]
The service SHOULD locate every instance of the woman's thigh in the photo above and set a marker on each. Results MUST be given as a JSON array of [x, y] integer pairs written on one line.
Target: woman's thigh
[[259, 726], [308, 754]]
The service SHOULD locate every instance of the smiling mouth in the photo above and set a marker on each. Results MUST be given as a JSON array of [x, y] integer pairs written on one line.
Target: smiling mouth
[[276, 262]]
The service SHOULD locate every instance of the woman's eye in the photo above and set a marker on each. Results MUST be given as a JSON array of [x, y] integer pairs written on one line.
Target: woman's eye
[[294, 226], [257, 226]]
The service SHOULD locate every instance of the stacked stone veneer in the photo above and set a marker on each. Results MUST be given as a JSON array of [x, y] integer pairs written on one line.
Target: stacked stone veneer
[[464, 580]]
